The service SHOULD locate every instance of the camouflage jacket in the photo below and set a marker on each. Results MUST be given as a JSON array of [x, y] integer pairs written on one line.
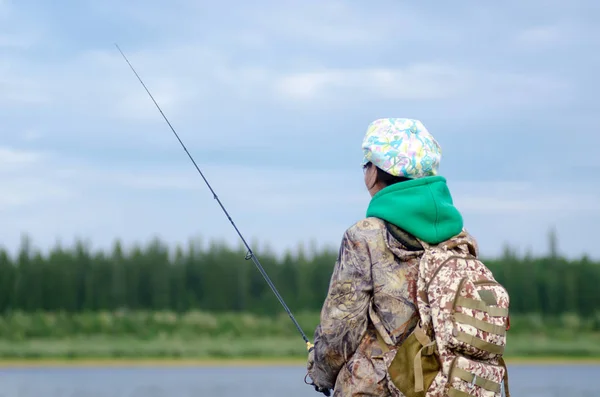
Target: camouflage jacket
[[374, 271]]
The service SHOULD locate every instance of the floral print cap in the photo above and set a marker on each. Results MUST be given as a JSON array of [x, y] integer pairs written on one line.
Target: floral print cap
[[401, 147]]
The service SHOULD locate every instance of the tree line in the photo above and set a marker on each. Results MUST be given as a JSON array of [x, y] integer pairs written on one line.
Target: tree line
[[216, 278]]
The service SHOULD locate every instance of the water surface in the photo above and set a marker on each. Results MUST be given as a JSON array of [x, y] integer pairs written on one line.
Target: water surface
[[525, 380]]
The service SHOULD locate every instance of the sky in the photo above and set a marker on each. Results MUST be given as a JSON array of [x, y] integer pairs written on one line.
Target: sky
[[272, 99]]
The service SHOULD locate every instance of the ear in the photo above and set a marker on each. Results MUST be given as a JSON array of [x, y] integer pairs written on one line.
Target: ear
[[371, 176]]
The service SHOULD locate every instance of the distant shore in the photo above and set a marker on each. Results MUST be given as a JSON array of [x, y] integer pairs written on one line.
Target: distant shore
[[236, 339], [234, 362], [109, 350]]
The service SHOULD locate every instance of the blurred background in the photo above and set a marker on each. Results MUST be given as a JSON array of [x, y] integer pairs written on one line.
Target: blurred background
[[120, 275]]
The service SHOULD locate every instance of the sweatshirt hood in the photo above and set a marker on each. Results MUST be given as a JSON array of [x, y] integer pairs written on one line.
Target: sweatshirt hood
[[423, 207]]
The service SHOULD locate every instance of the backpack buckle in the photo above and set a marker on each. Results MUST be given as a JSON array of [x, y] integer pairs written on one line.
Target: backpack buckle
[[473, 381]]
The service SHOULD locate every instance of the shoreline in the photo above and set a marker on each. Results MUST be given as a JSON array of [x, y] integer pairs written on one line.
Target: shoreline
[[233, 362]]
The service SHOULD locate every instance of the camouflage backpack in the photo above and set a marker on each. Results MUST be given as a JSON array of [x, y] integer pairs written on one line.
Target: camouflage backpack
[[456, 349]]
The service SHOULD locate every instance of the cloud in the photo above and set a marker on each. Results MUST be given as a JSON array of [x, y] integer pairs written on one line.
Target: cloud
[[200, 82], [115, 88], [541, 36], [3, 8], [521, 213], [11, 157], [53, 197], [290, 85], [205, 74], [14, 41], [418, 82], [31, 135], [17, 90], [332, 24], [525, 198], [16, 32], [536, 203], [62, 198], [24, 180], [423, 82], [99, 83], [31, 191]]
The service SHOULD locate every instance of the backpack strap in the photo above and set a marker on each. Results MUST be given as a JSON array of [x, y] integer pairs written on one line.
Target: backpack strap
[[409, 241], [505, 381]]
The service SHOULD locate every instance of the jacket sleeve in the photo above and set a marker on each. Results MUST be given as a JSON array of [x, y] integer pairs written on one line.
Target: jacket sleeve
[[344, 316]]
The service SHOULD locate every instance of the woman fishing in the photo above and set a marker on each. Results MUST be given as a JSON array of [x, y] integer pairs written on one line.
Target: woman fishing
[[373, 288]]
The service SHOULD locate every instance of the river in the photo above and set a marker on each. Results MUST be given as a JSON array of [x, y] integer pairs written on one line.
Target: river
[[525, 381]]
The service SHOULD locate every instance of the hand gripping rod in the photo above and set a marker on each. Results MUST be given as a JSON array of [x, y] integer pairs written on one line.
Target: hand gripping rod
[[250, 254]]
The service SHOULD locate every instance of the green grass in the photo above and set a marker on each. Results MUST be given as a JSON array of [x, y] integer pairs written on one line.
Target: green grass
[[575, 346], [206, 336], [20, 326], [104, 347]]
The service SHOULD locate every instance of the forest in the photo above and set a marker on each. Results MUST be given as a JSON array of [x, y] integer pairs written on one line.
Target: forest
[[215, 278], [206, 301]]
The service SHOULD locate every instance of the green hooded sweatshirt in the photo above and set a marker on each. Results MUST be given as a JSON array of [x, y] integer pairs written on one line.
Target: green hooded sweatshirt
[[423, 207]]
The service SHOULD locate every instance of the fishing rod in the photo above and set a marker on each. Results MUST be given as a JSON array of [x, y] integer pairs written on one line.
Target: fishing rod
[[250, 254]]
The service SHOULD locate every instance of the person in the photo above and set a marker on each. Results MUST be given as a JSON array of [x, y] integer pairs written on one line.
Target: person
[[373, 288]]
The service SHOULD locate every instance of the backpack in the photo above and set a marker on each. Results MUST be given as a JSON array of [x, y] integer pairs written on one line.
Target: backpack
[[457, 346]]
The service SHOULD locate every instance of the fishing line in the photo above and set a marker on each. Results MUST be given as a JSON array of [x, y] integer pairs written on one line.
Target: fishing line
[[250, 254]]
